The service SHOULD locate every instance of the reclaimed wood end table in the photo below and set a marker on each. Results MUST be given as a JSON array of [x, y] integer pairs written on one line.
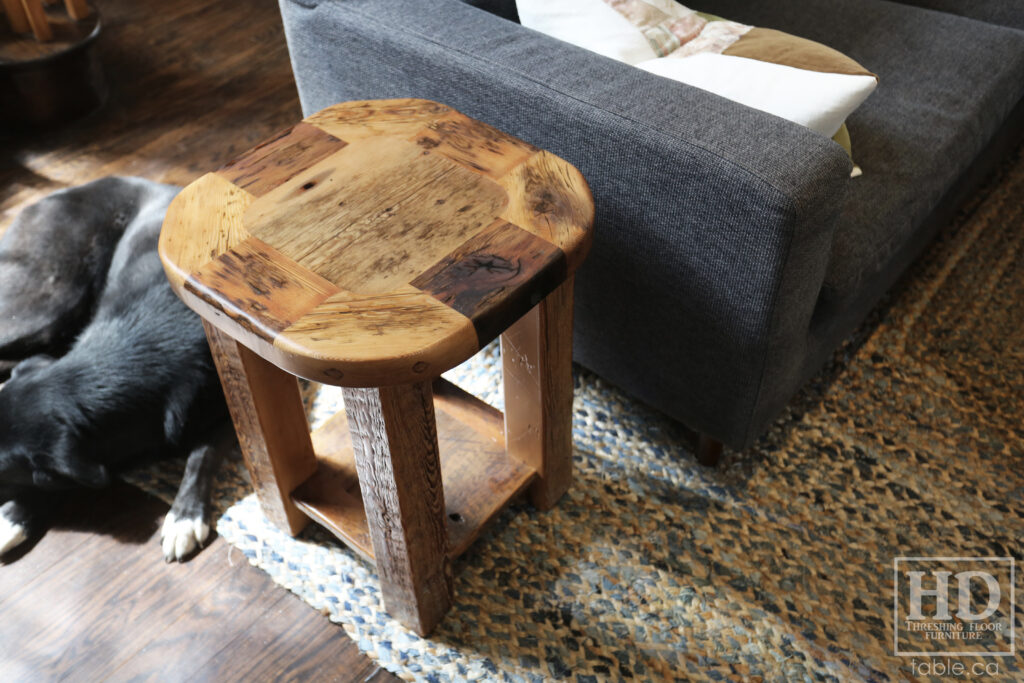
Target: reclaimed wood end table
[[373, 246]]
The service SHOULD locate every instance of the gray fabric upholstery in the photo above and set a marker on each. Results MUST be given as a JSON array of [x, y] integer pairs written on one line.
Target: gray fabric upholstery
[[945, 87], [715, 222], [1004, 12]]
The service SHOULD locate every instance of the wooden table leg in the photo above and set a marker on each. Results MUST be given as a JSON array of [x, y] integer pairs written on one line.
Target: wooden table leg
[[394, 440], [272, 429], [536, 354]]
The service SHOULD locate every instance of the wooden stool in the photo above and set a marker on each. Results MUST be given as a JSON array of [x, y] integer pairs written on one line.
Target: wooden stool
[[374, 246]]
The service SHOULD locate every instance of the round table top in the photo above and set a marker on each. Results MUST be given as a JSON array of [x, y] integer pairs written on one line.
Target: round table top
[[377, 242]]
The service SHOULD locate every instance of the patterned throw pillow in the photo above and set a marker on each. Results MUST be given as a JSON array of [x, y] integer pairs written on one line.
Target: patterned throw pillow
[[797, 79]]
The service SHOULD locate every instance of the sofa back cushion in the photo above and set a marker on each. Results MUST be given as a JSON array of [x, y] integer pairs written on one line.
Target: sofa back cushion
[[1004, 12]]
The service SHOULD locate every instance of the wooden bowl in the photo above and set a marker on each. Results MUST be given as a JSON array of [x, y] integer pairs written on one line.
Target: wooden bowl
[[49, 84]]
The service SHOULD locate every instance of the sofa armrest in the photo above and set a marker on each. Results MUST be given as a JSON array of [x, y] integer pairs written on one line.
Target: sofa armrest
[[713, 219]]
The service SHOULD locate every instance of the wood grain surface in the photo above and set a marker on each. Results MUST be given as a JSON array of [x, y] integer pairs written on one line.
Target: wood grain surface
[[258, 289], [375, 118], [331, 496], [271, 163], [495, 277], [37, 20], [475, 145], [403, 336], [536, 355], [479, 478], [394, 439], [212, 232], [374, 217], [15, 16], [563, 217], [267, 411], [433, 230], [214, 618], [376, 252]]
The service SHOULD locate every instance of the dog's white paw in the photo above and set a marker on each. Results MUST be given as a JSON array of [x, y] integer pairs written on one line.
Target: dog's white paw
[[12, 534], [179, 537]]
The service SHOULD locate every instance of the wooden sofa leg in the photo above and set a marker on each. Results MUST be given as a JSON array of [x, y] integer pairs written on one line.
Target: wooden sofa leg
[[709, 450]]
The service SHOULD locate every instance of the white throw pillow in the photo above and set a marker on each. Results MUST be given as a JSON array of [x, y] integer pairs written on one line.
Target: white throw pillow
[[590, 24], [819, 100], [692, 45]]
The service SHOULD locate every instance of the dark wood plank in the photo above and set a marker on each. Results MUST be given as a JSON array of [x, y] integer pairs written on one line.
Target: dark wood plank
[[143, 593], [190, 87], [99, 514], [192, 633], [271, 425], [113, 610], [270, 163], [21, 598], [495, 277], [315, 651], [100, 592], [259, 288], [394, 438], [536, 356]]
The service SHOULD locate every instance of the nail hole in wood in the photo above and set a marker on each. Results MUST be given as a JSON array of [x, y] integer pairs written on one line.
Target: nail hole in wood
[[456, 517]]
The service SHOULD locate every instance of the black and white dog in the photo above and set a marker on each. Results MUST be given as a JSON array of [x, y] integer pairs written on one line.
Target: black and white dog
[[138, 382], [53, 265]]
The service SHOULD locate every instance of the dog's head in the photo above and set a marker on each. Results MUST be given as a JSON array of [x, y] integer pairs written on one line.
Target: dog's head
[[38, 435]]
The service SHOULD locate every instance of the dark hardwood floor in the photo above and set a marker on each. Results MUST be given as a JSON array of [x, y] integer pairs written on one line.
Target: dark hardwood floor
[[92, 600], [192, 83]]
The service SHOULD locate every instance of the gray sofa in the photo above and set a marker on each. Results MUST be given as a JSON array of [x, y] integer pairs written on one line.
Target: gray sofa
[[732, 253]]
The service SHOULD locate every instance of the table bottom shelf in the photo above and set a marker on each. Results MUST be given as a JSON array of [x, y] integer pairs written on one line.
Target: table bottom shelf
[[479, 478]]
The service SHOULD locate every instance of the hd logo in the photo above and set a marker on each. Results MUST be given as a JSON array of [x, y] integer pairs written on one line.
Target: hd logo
[[957, 606]]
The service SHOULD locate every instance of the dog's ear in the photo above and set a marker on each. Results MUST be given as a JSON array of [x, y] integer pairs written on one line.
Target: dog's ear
[[30, 365]]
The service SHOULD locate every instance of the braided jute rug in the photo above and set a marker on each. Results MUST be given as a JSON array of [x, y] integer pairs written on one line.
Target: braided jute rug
[[777, 565]]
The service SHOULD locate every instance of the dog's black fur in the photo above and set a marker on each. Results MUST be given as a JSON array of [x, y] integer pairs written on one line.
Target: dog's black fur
[[53, 263], [137, 383]]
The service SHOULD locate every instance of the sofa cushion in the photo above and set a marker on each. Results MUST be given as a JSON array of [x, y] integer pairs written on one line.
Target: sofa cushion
[[797, 79], [1004, 12], [946, 85]]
